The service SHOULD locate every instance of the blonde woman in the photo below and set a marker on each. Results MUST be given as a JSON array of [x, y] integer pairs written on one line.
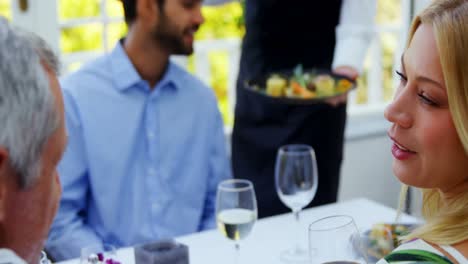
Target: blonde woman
[[429, 117]]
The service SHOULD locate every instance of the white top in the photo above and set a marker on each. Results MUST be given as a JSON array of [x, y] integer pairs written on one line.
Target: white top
[[9, 257], [455, 253], [353, 34], [422, 245]]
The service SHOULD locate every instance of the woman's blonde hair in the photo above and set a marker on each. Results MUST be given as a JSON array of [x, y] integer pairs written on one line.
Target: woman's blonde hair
[[447, 221]]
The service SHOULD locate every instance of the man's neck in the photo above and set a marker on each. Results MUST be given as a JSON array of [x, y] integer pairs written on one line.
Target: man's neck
[[149, 60]]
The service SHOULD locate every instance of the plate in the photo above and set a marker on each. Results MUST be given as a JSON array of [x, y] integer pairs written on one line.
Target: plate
[[382, 238], [300, 86]]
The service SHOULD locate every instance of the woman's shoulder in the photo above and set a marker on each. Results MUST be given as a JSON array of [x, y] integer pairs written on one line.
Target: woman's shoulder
[[416, 251]]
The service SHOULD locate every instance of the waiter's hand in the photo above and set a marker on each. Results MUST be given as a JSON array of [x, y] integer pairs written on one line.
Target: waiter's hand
[[349, 72]]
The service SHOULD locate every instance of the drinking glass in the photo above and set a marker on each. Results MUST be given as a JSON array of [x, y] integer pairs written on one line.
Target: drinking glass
[[98, 253], [336, 239], [236, 210], [296, 180]]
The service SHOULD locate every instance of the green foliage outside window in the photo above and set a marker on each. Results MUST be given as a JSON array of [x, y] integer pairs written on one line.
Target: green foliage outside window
[[388, 13], [5, 8], [89, 37], [225, 21]]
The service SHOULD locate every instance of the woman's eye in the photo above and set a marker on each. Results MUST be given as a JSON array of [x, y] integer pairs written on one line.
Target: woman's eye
[[423, 97], [401, 76], [426, 100]]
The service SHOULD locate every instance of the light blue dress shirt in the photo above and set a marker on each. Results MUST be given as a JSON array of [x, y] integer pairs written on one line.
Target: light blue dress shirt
[[140, 164]]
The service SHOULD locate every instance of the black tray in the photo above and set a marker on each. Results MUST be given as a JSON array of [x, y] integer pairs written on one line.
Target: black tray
[[257, 87]]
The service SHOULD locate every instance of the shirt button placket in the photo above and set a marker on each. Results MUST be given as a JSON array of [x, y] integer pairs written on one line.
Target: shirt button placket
[[151, 136], [155, 190], [151, 172]]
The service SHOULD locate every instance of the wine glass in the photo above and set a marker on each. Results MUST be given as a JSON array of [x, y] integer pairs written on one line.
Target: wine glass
[[336, 239], [296, 180], [99, 253], [236, 210]]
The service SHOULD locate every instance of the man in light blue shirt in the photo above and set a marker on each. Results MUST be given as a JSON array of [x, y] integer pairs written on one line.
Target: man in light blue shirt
[[146, 144]]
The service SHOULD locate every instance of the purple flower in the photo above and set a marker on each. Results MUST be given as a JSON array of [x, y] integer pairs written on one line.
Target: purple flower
[[100, 256], [111, 261]]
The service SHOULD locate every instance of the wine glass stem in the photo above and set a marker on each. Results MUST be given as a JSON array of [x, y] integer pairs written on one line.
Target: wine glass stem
[[236, 252], [298, 229]]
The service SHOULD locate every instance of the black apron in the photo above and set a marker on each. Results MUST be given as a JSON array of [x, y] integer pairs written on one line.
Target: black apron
[[279, 35]]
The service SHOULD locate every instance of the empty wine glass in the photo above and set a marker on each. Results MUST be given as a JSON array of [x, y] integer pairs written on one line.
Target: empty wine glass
[[236, 210], [296, 180], [336, 239]]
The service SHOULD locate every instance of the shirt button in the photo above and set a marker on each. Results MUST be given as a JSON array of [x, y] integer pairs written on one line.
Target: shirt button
[[150, 135], [151, 171]]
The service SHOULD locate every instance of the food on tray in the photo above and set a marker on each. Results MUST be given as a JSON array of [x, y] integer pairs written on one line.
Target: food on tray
[[383, 238], [344, 85], [325, 85], [299, 91], [276, 86], [303, 85]]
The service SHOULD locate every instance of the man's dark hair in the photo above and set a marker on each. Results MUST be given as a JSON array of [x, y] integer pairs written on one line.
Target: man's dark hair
[[129, 7]]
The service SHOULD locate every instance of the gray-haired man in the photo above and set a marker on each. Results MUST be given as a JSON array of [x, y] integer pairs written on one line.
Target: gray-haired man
[[32, 141]]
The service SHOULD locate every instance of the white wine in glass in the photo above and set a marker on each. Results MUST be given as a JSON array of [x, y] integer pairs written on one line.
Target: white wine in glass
[[236, 210], [296, 180], [236, 224]]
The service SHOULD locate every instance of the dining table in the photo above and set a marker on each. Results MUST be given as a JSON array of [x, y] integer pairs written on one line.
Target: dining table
[[272, 235]]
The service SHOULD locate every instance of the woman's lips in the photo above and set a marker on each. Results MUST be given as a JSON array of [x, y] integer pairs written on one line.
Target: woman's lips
[[401, 153]]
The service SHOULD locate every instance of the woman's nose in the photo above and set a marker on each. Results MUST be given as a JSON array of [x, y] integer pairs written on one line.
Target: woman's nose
[[398, 111]]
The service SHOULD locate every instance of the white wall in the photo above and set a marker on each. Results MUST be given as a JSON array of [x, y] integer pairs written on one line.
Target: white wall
[[367, 170], [367, 166]]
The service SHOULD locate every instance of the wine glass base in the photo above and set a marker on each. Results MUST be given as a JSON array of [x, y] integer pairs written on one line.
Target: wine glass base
[[296, 255]]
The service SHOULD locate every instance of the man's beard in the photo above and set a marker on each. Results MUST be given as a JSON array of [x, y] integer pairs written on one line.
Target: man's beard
[[166, 36]]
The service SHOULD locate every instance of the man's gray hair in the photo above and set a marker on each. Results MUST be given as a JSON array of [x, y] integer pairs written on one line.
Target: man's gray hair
[[28, 113]]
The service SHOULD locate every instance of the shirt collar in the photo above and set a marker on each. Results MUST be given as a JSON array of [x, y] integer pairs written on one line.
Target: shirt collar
[[123, 72], [126, 76], [172, 77]]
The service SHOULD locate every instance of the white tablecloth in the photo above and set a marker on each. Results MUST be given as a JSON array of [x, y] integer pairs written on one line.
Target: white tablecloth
[[272, 235]]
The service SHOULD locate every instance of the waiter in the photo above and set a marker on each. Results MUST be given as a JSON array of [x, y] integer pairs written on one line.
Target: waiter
[[281, 34]]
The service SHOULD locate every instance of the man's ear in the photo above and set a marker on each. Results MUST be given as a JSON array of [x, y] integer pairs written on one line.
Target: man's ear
[[147, 11], [5, 169]]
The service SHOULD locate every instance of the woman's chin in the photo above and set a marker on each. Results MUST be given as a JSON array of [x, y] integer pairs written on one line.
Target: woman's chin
[[405, 175]]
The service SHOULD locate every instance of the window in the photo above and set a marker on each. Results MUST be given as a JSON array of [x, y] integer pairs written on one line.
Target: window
[[88, 28], [81, 30], [5, 8]]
